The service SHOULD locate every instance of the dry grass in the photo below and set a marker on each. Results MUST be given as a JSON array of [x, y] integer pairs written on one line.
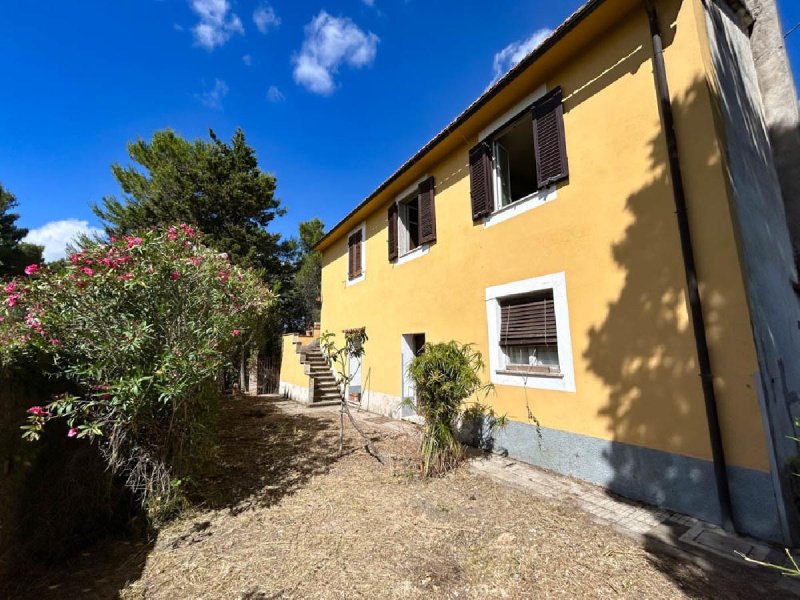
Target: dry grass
[[283, 517]]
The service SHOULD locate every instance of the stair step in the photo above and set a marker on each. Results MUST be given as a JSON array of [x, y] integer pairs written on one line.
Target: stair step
[[327, 396], [326, 387], [325, 403]]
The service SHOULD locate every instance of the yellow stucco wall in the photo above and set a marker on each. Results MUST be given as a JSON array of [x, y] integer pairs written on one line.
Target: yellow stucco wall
[[611, 229], [292, 370]]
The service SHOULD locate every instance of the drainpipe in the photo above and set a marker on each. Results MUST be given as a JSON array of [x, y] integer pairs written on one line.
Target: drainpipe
[[687, 250]]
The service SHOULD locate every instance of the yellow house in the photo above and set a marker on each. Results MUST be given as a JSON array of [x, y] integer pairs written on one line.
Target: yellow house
[[606, 226]]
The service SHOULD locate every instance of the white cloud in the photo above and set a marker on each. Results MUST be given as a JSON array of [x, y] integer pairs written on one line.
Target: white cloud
[[369, 2], [274, 94], [56, 235], [329, 42], [213, 98], [217, 23], [264, 17], [516, 51], [247, 59]]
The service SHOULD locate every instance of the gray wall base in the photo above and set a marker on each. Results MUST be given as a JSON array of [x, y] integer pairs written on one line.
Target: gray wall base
[[666, 480]]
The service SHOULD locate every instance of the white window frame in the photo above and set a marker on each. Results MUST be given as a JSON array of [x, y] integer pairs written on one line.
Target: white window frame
[[531, 201], [363, 227], [402, 232], [565, 381]]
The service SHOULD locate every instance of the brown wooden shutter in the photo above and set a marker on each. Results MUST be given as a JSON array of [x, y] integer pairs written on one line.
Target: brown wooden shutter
[[392, 231], [427, 212], [548, 139], [480, 180], [350, 253], [528, 321], [358, 245], [354, 255]]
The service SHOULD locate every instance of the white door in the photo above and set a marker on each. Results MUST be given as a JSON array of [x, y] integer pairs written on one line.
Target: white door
[[410, 345]]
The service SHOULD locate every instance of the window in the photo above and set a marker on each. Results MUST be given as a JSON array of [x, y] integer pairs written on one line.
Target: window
[[528, 333], [529, 337], [355, 255], [514, 164], [408, 213], [521, 160], [412, 221]]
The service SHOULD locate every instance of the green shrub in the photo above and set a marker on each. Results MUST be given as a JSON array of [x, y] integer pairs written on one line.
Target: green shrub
[[445, 376], [140, 326]]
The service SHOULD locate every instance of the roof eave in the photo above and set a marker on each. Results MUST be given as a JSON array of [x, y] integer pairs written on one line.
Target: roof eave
[[570, 23]]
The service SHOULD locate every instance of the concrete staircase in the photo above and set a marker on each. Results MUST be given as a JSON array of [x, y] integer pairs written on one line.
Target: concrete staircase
[[323, 390]]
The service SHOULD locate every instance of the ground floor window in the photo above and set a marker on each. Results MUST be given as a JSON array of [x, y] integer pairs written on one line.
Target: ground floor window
[[529, 336], [528, 333]]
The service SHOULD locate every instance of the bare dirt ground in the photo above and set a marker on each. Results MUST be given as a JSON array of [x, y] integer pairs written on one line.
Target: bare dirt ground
[[283, 516]]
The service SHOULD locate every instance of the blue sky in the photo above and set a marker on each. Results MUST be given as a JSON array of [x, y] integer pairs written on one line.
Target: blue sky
[[333, 95]]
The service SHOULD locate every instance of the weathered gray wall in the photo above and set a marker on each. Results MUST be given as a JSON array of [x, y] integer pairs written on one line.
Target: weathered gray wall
[[765, 245], [781, 109]]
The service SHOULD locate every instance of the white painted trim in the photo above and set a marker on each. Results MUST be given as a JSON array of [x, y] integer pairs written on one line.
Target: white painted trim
[[413, 254], [363, 227], [535, 200], [556, 282], [410, 189], [512, 112]]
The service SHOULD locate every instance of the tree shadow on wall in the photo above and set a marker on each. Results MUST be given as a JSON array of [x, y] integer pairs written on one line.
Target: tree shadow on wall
[[644, 350]]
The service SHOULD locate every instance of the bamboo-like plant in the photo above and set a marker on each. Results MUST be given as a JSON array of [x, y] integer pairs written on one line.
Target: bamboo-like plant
[[446, 375]]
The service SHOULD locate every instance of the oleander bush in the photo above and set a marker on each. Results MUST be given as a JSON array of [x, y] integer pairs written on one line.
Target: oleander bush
[[138, 328]]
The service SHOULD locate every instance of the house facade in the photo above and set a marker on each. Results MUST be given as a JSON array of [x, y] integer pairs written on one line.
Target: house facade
[[606, 226]]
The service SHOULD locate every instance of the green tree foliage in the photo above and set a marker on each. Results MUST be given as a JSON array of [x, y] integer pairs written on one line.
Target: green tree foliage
[[304, 301], [139, 328], [214, 185], [14, 253]]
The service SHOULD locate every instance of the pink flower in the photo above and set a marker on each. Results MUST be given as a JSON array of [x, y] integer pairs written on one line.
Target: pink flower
[[126, 276], [11, 287], [74, 258], [133, 241], [195, 260], [174, 276], [236, 332], [55, 342], [12, 300], [38, 411], [87, 271], [73, 431], [172, 233], [31, 269]]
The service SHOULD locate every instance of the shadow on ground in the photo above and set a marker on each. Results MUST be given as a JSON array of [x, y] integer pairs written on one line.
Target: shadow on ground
[[704, 575], [264, 454]]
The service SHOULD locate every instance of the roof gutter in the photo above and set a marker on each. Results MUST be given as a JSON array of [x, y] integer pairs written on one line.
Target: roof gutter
[[687, 251], [575, 19]]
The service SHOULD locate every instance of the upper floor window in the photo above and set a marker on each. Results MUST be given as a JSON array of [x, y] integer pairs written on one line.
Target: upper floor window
[[514, 166], [412, 221], [522, 158], [408, 226], [355, 255]]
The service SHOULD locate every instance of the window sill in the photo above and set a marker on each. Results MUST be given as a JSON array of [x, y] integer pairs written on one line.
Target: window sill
[[356, 280], [521, 206], [530, 374], [415, 253]]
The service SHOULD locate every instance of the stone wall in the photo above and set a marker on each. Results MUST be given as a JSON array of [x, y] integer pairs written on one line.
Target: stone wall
[[765, 244]]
